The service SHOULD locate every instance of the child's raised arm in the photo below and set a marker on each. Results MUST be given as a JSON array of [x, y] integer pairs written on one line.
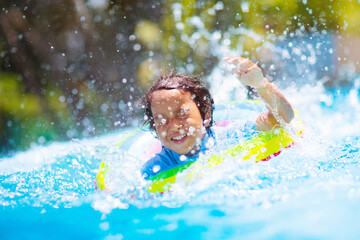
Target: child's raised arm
[[279, 108]]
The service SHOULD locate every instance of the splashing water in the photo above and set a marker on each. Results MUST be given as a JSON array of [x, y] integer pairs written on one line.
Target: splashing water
[[311, 190]]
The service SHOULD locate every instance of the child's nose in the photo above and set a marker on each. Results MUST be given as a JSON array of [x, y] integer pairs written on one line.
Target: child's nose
[[175, 123]]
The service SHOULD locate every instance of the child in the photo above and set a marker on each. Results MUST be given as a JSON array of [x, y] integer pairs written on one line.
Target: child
[[179, 109]]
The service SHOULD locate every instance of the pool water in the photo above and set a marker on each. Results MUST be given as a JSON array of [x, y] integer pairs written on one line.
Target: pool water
[[310, 191]]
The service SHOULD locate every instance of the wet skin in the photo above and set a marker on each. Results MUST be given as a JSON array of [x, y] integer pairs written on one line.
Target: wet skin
[[178, 121]]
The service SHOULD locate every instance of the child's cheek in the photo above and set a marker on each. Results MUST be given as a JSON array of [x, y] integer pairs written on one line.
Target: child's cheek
[[191, 130], [162, 134]]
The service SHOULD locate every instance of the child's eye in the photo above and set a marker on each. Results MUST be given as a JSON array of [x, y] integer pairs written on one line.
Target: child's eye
[[161, 122], [184, 113], [182, 116]]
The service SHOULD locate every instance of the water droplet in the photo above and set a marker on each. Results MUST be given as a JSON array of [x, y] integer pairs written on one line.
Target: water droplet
[[156, 168], [137, 47]]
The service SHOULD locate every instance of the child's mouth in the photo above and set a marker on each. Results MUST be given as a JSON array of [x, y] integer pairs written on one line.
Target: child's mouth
[[179, 139]]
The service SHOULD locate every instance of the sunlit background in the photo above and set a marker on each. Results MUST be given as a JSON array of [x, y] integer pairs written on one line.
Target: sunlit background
[[71, 76], [77, 68]]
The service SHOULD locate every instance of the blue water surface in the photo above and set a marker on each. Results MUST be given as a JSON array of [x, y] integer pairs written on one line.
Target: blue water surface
[[310, 191]]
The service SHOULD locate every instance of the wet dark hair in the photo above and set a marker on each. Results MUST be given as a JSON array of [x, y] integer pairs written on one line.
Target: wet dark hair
[[182, 82]]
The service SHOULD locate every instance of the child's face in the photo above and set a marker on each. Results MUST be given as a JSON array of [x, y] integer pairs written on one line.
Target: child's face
[[178, 120]]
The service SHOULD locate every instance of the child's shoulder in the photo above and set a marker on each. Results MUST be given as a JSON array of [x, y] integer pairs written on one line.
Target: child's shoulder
[[161, 161]]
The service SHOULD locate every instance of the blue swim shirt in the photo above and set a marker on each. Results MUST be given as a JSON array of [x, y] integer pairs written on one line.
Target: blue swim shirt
[[216, 139]]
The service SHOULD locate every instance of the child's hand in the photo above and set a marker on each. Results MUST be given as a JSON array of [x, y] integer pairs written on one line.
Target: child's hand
[[249, 73], [279, 108]]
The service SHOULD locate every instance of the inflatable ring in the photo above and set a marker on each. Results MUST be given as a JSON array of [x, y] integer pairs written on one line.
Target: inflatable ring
[[262, 147]]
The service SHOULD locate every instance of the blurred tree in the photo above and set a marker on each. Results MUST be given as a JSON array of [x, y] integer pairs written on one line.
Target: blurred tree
[[75, 68]]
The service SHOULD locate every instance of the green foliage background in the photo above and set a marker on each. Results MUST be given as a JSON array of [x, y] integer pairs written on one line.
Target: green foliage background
[[70, 69]]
